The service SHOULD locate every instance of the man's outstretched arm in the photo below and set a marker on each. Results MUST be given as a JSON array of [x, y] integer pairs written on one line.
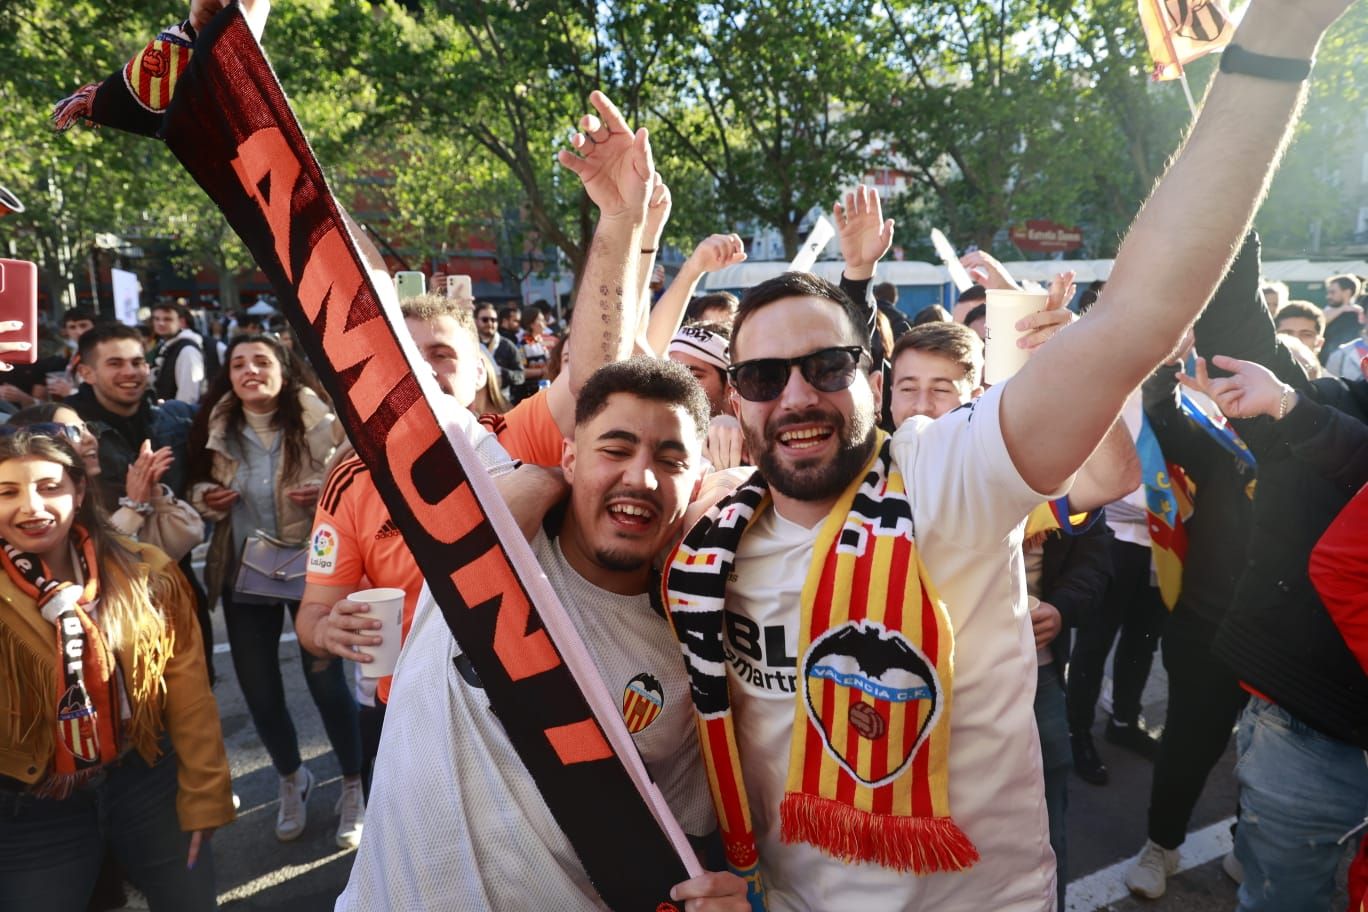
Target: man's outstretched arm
[[1176, 252]]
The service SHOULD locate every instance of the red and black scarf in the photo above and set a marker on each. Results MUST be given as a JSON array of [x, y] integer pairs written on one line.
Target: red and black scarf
[[86, 736]]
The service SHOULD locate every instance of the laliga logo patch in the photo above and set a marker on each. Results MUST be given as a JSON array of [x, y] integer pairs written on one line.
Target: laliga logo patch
[[642, 701], [323, 549], [894, 695]]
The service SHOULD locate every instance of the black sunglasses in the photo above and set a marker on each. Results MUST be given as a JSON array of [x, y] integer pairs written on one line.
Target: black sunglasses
[[828, 370], [71, 432]]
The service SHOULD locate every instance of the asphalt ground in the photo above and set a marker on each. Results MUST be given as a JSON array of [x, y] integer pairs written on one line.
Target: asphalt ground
[[257, 873]]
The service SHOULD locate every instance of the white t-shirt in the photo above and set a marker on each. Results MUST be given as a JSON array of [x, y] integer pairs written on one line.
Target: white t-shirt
[[455, 820], [968, 505]]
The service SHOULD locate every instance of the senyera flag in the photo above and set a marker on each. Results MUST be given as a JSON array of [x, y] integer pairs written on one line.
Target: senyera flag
[[1180, 31], [231, 127]]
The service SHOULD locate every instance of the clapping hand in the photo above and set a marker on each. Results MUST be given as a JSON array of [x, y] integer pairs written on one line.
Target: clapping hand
[[145, 474]]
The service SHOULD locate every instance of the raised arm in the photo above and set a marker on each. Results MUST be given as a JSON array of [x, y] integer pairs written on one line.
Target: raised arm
[[865, 237], [657, 214], [1176, 252], [714, 252], [617, 171]]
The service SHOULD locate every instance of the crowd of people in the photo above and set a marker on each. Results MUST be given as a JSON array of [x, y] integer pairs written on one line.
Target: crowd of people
[[857, 603]]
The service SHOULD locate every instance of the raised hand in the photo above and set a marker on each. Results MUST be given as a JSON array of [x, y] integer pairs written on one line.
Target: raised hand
[[657, 213], [864, 233], [1251, 389], [985, 269], [614, 164], [718, 251]]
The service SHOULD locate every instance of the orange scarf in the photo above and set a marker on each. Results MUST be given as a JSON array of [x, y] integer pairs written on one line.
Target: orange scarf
[[86, 737]]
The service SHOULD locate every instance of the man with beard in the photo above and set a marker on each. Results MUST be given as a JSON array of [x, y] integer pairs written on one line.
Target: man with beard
[[836, 779]]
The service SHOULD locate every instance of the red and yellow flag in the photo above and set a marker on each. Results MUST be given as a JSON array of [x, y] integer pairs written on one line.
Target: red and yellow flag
[[1180, 31]]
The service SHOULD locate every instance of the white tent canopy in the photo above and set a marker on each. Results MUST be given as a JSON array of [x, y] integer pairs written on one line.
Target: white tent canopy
[[906, 273]]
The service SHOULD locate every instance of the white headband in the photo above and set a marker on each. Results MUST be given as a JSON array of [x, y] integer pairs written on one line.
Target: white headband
[[699, 343]]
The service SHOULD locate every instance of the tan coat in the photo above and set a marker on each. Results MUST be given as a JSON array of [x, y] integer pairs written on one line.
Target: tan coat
[[322, 434], [166, 683]]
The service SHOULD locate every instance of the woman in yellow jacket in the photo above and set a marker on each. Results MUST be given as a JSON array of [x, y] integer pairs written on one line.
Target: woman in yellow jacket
[[109, 734]]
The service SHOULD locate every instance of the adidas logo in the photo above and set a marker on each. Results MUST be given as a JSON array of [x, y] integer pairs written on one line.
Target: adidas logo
[[388, 530]]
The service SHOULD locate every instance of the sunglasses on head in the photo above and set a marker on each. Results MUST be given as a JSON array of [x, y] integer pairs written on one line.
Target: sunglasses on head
[[828, 370], [71, 432]]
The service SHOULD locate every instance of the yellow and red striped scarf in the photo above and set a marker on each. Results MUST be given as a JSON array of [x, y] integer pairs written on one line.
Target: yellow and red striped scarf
[[868, 776]]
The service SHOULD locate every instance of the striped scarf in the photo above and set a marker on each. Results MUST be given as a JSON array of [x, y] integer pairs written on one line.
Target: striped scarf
[[86, 737], [868, 776]]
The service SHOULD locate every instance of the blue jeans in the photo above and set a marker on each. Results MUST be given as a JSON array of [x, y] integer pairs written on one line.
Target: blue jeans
[[1053, 724], [254, 637], [1301, 791], [51, 850]]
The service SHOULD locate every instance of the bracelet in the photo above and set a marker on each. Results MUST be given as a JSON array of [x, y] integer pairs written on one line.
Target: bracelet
[[1235, 59], [138, 506], [644, 250], [1287, 391]]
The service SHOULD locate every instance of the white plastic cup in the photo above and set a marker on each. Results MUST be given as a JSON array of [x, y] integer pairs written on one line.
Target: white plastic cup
[[1001, 356], [386, 606]]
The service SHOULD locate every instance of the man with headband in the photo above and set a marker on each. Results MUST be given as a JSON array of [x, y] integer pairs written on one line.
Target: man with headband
[[705, 349]]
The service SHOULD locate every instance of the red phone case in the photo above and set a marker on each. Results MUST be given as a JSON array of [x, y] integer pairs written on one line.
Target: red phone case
[[19, 301]]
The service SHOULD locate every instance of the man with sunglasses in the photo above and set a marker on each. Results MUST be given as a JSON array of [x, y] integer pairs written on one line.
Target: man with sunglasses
[[501, 351], [810, 732]]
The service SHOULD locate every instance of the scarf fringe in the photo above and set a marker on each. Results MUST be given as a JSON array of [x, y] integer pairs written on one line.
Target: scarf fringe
[[922, 845], [76, 106]]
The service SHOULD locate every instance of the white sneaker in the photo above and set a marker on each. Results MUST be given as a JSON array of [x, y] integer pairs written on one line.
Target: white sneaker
[[1148, 877], [294, 797], [1232, 867], [351, 814]]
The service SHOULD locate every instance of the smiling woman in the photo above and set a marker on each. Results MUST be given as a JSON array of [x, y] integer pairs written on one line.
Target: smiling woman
[[108, 729], [257, 454]]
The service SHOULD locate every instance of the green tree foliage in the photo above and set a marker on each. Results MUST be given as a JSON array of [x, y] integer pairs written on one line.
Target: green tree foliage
[[447, 114]]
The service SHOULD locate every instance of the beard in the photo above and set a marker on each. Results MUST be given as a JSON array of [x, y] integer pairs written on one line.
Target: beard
[[619, 561], [812, 479]]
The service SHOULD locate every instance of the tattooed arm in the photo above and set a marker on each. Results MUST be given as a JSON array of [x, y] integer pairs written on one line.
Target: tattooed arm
[[616, 168]]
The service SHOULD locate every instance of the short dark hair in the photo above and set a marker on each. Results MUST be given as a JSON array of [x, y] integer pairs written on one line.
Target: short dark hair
[[702, 303], [1303, 309], [484, 305], [979, 312], [508, 310], [799, 285], [646, 378], [955, 342], [931, 313], [529, 315], [886, 293], [1347, 283], [104, 332], [180, 310], [972, 293], [75, 314]]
